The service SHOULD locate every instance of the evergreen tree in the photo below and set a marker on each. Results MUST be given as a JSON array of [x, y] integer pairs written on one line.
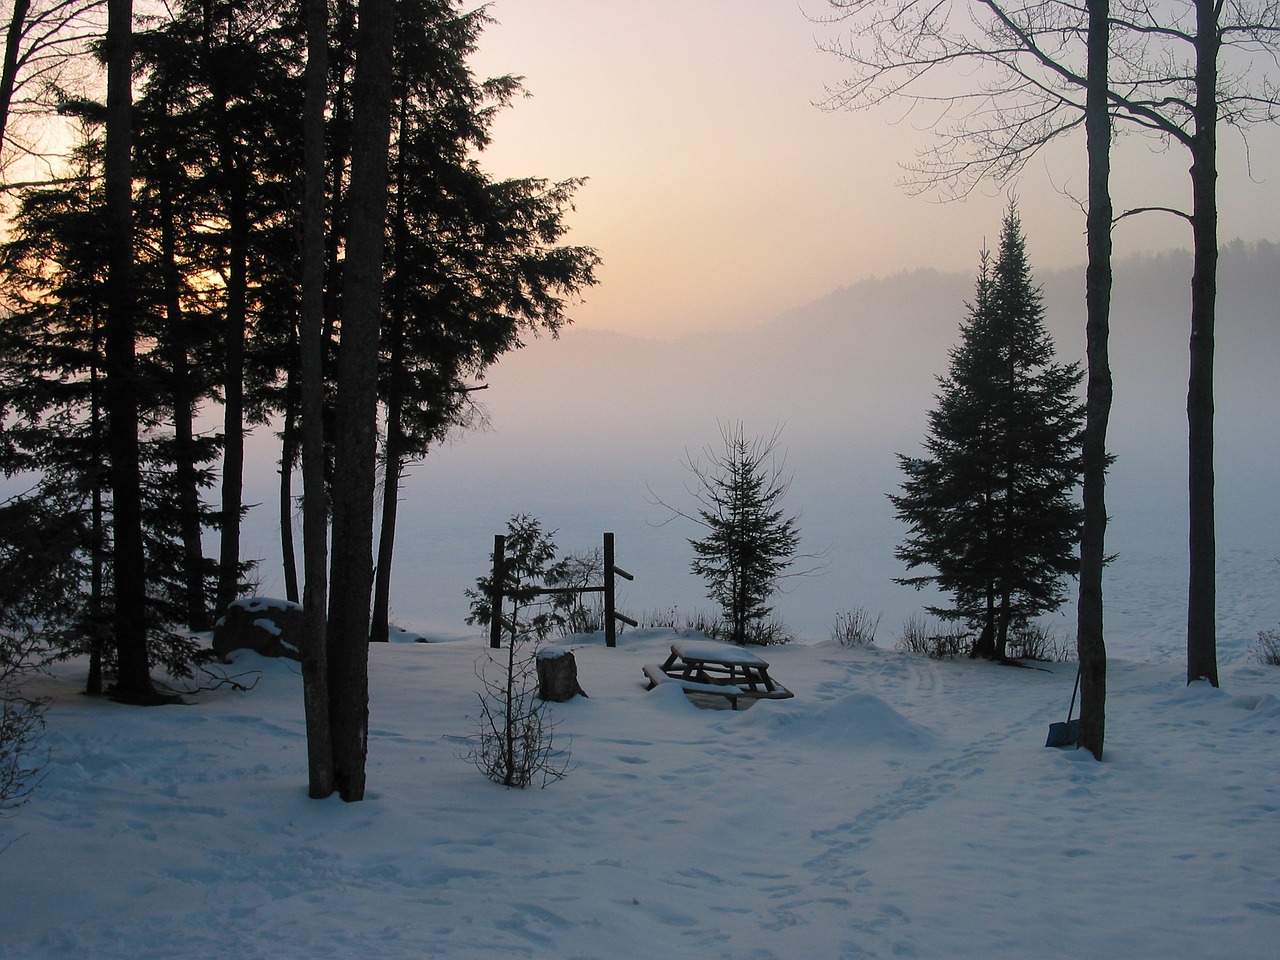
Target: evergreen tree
[[55, 423], [750, 542], [991, 506], [474, 265]]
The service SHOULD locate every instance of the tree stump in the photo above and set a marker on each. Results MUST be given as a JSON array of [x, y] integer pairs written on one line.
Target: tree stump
[[558, 676]]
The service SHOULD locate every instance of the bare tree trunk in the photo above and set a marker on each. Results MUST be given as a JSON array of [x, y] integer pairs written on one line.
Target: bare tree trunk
[[9, 73], [311, 333], [97, 560], [381, 626], [184, 402], [233, 388], [133, 678], [288, 456], [355, 449], [1090, 643], [393, 446], [1202, 655]]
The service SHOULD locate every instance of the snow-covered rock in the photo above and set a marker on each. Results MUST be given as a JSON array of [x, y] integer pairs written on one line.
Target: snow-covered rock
[[269, 627]]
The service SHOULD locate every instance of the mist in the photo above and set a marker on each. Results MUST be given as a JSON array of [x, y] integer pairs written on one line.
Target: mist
[[587, 430]]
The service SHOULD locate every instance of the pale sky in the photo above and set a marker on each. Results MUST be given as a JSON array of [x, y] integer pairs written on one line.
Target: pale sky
[[720, 196]]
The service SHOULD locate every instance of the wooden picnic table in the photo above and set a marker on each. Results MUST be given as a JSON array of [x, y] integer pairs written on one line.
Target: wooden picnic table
[[718, 669]]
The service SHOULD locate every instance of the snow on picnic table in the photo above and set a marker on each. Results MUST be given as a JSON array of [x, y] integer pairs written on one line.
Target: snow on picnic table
[[897, 807], [715, 651]]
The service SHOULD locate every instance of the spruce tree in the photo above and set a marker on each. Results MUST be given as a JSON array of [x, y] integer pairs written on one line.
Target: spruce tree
[[750, 540], [991, 505]]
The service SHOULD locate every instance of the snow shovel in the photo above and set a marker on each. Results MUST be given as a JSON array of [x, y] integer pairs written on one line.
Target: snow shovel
[[1066, 734]]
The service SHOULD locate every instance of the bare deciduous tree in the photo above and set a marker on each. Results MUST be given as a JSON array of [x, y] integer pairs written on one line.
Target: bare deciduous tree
[[1091, 645], [44, 42], [1035, 71]]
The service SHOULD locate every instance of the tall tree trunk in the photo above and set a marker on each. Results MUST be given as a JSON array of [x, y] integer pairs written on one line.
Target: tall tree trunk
[[133, 678], [234, 189], [98, 537], [355, 449], [234, 326], [1002, 623], [312, 337], [393, 448], [288, 457], [380, 630], [183, 396], [1090, 643], [1202, 655], [9, 72]]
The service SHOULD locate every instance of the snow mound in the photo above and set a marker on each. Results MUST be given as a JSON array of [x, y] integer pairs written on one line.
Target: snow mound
[[857, 720], [671, 698]]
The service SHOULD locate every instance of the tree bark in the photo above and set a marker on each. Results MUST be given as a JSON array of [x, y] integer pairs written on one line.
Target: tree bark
[[558, 677], [381, 626], [313, 651], [97, 558], [393, 447], [9, 73], [233, 385], [183, 396], [288, 456], [1090, 642], [355, 447], [1202, 656], [133, 677]]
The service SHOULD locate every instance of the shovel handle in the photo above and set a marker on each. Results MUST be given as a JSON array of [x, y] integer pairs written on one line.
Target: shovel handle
[[1074, 690]]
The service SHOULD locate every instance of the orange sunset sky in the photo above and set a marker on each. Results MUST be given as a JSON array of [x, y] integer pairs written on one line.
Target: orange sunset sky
[[720, 196]]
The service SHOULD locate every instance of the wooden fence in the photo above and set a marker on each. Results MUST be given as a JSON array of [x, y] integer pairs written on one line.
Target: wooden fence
[[611, 572]]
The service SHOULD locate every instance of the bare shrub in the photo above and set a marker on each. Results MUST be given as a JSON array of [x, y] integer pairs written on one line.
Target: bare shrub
[[699, 621], [577, 612], [668, 619], [769, 633], [935, 640], [21, 725], [1268, 647], [514, 742], [21, 717], [855, 628], [1034, 641]]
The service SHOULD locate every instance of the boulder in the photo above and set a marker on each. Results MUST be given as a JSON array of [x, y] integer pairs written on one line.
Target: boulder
[[270, 627]]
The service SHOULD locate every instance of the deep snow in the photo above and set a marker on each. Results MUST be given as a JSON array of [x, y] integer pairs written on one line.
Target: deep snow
[[896, 807]]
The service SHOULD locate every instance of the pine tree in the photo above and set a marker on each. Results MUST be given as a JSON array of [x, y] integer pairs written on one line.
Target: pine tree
[[991, 506], [750, 541], [473, 265]]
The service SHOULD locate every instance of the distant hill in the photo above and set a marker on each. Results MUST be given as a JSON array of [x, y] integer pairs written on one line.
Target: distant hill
[[872, 351]]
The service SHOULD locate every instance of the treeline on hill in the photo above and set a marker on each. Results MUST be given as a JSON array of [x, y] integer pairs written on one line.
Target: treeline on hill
[[473, 265]]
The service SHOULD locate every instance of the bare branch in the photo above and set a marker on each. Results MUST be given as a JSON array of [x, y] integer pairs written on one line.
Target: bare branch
[[1137, 210], [1022, 77]]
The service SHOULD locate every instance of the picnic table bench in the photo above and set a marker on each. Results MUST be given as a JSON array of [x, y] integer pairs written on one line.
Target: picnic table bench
[[711, 668]]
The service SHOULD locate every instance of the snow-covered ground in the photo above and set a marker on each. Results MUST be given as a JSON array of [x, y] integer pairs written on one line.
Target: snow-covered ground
[[896, 807]]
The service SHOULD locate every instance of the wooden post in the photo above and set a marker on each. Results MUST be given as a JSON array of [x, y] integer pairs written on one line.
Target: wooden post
[[610, 629], [611, 614], [495, 590]]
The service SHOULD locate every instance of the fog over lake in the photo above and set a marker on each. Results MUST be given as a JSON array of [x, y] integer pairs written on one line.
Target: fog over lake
[[584, 427]]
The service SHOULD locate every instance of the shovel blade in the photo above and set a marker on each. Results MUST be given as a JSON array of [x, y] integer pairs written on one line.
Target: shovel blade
[[1065, 734]]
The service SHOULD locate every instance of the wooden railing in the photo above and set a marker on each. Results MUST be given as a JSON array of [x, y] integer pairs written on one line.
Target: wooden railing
[[611, 571]]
